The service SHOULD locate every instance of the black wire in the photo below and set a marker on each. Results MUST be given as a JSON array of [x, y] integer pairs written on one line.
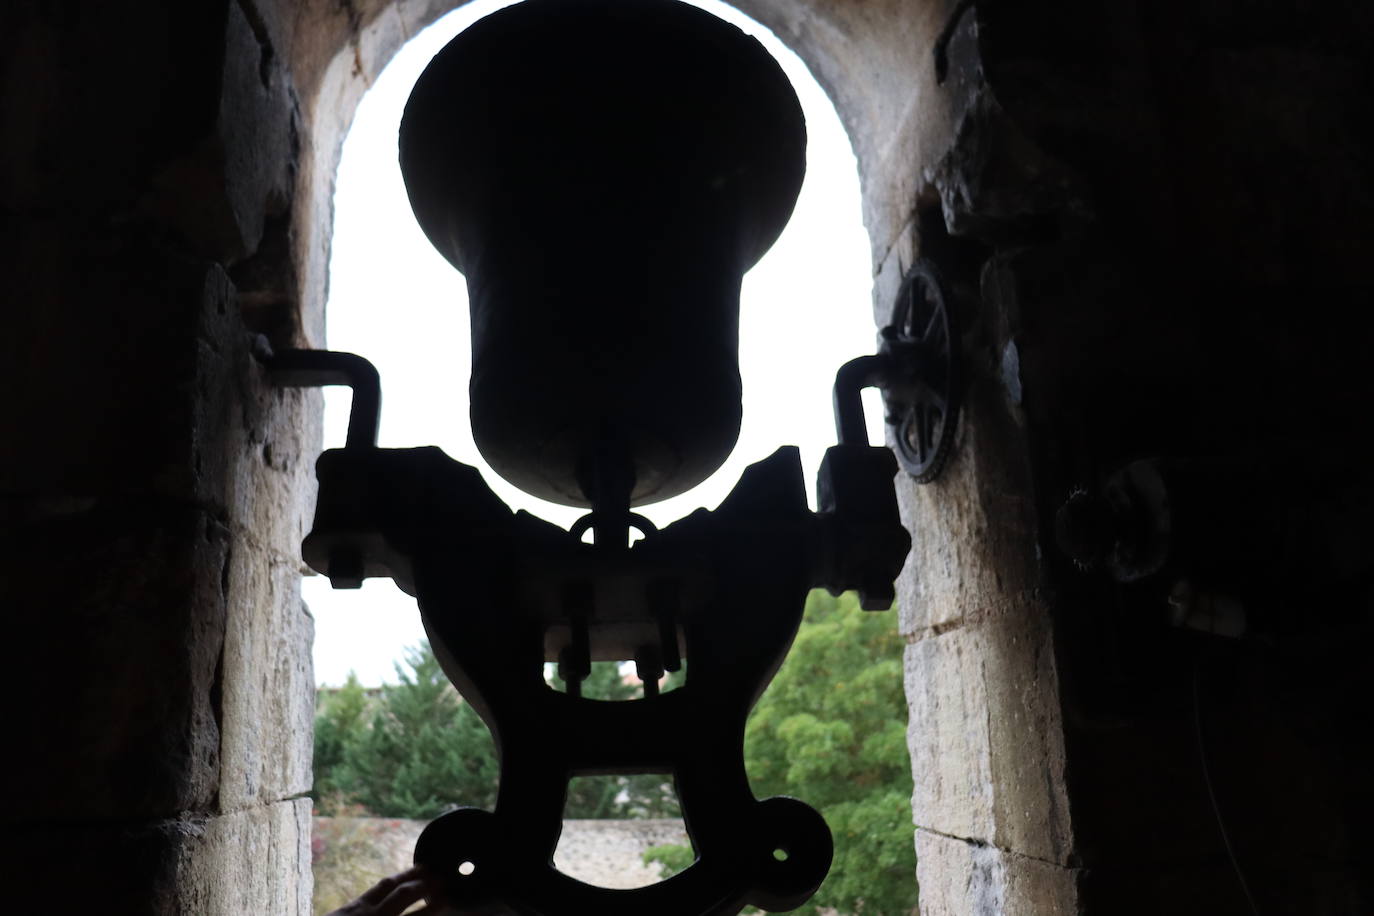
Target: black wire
[[1212, 795]]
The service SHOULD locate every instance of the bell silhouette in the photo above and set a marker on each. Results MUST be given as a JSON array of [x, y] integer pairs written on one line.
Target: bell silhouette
[[603, 172]]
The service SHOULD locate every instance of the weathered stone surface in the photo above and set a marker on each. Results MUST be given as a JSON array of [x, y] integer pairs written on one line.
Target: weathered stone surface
[[607, 852], [887, 276], [221, 192], [996, 183], [156, 392], [933, 590], [116, 623], [1025, 727], [985, 737], [948, 735], [252, 449], [268, 491], [117, 379], [973, 548], [962, 878], [257, 458], [253, 861], [268, 683], [125, 868], [875, 61]]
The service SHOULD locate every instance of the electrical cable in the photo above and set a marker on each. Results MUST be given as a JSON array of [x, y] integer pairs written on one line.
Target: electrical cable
[[1212, 795]]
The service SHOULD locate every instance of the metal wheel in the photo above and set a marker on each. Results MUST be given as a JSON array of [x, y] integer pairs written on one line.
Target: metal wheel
[[923, 406]]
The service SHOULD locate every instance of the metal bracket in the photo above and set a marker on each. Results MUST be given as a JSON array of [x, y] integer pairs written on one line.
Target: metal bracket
[[917, 368], [316, 369]]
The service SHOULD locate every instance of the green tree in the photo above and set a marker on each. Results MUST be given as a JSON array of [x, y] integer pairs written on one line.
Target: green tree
[[422, 752], [831, 730], [415, 750], [341, 719]]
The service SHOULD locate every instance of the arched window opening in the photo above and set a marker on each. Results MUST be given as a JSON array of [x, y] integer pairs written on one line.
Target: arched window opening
[[396, 301]]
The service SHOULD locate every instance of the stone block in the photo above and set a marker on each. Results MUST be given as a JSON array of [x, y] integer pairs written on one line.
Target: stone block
[[218, 190], [268, 683], [265, 468], [948, 735], [156, 392], [887, 279], [116, 381], [274, 23], [963, 878], [123, 868], [934, 590], [986, 737], [973, 550], [253, 861], [253, 445], [895, 110], [1025, 727], [116, 623]]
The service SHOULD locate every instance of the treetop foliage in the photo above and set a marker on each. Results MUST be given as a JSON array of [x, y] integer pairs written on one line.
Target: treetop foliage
[[830, 730], [414, 749]]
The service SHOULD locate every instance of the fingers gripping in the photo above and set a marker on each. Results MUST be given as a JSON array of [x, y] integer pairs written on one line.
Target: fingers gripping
[[392, 895]]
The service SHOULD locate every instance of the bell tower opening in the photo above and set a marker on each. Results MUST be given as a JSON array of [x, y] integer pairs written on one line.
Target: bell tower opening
[[393, 299]]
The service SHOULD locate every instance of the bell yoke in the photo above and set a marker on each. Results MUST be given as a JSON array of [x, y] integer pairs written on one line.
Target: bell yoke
[[604, 172]]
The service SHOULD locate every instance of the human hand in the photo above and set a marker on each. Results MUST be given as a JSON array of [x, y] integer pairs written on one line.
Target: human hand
[[390, 896]]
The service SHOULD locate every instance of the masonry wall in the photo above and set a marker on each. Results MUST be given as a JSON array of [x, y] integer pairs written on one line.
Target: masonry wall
[[1152, 213], [1154, 219], [152, 486]]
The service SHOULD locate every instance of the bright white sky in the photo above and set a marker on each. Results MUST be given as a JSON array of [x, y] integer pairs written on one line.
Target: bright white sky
[[393, 299]]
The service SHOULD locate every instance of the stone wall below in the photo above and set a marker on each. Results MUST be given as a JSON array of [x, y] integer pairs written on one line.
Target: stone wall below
[[605, 853]]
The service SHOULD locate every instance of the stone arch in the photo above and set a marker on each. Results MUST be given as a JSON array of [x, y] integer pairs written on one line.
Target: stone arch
[[977, 634]]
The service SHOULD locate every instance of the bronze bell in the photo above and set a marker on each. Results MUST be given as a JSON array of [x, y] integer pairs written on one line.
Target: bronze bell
[[603, 173]]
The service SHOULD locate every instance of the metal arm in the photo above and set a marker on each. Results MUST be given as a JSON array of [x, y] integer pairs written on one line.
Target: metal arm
[[317, 368]]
